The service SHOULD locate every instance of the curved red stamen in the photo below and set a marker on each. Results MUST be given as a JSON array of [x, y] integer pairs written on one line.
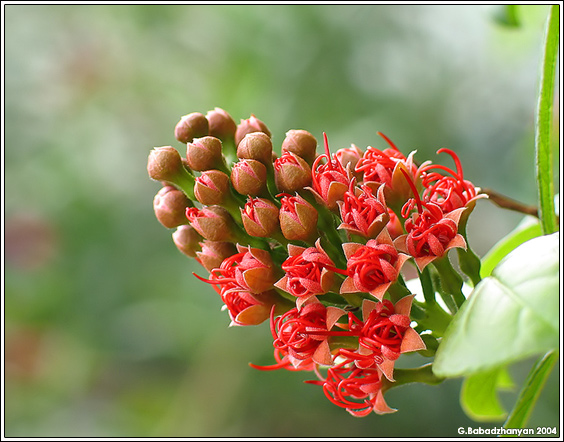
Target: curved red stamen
[[414, 190], [392, 145], [457, 162]]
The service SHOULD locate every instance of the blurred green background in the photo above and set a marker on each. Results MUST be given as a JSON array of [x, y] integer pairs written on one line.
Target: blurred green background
[[107, 333]]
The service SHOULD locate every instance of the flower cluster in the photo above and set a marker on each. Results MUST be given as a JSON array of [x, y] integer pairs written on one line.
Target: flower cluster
[[317, 244]]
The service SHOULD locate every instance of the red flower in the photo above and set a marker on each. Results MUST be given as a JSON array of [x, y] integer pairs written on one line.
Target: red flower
[[249, 270], [330, 181], [307, 272], [449, 192], [385, 167], [383, 335], [430, 233], [246, 308], [303, 334], [372, 267], [357, 390], [213, 223], [363, 213]]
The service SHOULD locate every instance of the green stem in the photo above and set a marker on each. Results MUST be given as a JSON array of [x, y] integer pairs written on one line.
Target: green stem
[[403, 376], [427, 286], [544, 116], [531, 391], [451, 281], [434, 318]]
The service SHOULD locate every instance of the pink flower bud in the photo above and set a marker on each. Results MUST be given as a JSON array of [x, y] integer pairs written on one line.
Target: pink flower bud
[[221, 125], [213, 223], [204, 153], [187, 240], [249, 177], [298, 218], [191, 126], [170, 207], [212, 187], [213, 253], [291, 173], [252, 124], [260, 217], [164, 164], [256, 146], [301, 143]]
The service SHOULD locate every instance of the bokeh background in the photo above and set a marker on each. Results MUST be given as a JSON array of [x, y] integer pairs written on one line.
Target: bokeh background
[[107, 333]]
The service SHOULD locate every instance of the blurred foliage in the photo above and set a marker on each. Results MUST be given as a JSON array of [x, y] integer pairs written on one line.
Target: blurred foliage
[[107, 333]]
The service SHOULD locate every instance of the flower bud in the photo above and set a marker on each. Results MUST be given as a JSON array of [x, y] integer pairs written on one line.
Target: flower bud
[[213, 223], [212, 187], [214, 252], [252, 124], [191, 126], [291, 173], [349, 156], [298, 218], [256, 146], [300, 142], [170, 207], [164, 164], [260, 217], [204, 153], [249, 177], [221, 125], [187, 240]]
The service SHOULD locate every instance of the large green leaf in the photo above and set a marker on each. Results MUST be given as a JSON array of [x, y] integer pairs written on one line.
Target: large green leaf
[[527, 229], [510, 315], [478, 396]]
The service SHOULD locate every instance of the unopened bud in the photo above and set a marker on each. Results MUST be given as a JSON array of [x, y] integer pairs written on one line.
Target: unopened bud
[[164, 164], [249, 177], [214, 252], [221, 125], [298, 219], [187, 240], [212, 187], [260, 217], [170, 207], [213, 223], [204, 153], [291, 173], [250, 125], [256, 146], [300, 142], [191, 126]]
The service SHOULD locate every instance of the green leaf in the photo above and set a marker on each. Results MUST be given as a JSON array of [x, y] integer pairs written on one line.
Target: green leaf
[[510, 315], [527, 229], [545, 180], [531, 391], [478, 396]]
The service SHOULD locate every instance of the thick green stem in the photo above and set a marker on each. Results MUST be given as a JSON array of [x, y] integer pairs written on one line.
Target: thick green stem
[[403, 376], [451, 281], [544, 118], [427, 286]]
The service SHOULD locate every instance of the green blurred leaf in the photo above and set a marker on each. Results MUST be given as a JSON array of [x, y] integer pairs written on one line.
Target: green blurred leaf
[[531, 391], [507, 15], [478, 396], [543, 130], [509, 316], [527, 229]]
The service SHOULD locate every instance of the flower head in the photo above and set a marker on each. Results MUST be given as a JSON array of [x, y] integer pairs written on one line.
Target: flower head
[[303, 333], [363, 213], [298, 218], [307, 272], [372, 267], [330, 181]]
